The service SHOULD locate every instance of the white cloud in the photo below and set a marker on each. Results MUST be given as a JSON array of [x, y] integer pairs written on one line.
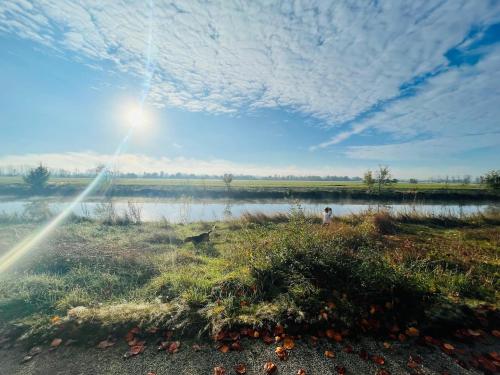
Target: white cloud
[[333, 60], [425, 150]]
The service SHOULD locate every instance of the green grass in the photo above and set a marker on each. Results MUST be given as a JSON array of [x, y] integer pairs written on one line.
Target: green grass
[[255, 270], [246, 184]]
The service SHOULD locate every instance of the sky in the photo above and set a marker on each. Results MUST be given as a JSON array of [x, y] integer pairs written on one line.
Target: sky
[[258, 87]]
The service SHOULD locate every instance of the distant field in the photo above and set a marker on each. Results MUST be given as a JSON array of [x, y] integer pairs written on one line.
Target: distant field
[[253, 184]]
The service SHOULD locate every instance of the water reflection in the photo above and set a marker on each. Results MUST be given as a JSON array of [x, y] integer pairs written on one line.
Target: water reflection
[[188, 210]]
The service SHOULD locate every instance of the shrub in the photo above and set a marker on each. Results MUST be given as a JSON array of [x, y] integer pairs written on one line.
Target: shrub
[[37, 178]]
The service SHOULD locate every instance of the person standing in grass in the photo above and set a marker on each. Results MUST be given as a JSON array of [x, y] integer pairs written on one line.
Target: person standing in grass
[[327, 216]]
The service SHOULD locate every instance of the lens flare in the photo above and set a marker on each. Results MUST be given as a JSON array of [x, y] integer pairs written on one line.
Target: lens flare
[[137, 118]]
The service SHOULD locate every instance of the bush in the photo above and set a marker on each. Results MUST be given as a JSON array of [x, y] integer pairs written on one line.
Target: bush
[[37, 178], [492, 179]]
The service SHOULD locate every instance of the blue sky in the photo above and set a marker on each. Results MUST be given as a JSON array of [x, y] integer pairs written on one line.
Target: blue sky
[[259, 87]]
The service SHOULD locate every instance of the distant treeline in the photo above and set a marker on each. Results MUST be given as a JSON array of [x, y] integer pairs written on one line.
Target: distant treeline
[[22, 171]]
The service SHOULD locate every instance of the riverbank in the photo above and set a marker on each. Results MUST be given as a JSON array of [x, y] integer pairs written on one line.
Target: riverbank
[[256, 189], [392, 278]]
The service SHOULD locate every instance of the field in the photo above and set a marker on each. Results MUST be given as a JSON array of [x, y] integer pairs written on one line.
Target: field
[[253, 189], [250, 184], [368, 275]]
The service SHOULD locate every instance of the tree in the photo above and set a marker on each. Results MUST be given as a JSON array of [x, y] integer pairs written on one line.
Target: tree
[[37, 178], [368, 180], [467, 179], [383, 176], [227, 178], [413, 181], [492, 179]]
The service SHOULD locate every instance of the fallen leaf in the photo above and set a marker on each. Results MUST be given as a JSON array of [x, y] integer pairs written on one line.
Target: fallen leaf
[[412, 331], [348, 349], [473, 333], [401, 337], [278, 330], [55, 343], [363, 354], [448, 347], [340, 370], [105, 344], [220, 336], [487, 364], [129, 336], [329, 354], [268, 339], [55, 320], [270, 367], [196, 347], [378, 359], [495, 333], [151, 373], [495, 356], [382, 372], [288, 343], [219, 371], [224, 348], [135, 330], [236, 346], [234, 336], [412, 364], [174, 347], [240, 369], [134, 350], [281, 352], [387, 345], [301, 371]]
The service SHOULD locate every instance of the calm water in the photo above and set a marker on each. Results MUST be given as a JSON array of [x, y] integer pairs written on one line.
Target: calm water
[[192, 210]]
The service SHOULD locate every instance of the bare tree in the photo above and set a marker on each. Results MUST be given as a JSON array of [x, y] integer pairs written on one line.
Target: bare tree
[[368, 180], [227, 178], [383, 176]]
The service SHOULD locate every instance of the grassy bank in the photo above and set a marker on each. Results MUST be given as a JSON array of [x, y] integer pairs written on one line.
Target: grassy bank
[[255, 189], [364, 273]]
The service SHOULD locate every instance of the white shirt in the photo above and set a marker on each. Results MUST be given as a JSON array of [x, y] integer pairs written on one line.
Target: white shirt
[[327, 217]]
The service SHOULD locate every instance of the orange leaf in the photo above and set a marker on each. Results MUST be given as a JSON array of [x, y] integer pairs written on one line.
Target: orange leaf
[[270, 367], [240, 369], [288, 343], [219, 370], [495, 333], [224, 348], [378, 360], [220, 335], [412, 331], [55, 343], [329, 354], [301, 371], [55, 320], [387, 345], [448, 346], [280, 352]]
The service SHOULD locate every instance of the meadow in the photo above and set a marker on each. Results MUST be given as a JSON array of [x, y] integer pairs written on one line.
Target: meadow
[[254, 189], [365, 273]]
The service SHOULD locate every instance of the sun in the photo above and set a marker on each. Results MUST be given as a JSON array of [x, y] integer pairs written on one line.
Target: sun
[[135, 116]]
